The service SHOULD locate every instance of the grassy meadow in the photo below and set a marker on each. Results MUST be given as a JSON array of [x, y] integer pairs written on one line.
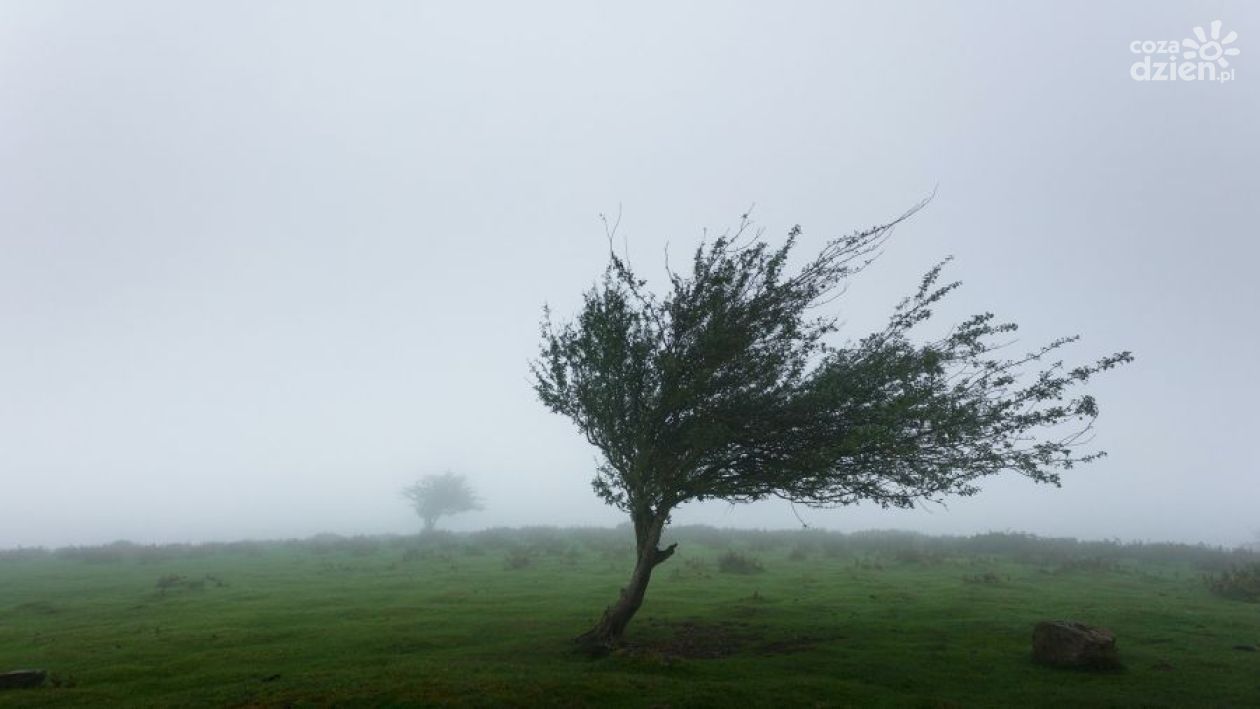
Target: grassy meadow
[[734, 619]]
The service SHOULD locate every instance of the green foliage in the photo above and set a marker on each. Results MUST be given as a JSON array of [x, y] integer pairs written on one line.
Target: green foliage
[[435, 496], [1240, 583], [518, 558], [728, 387], [735, 563]]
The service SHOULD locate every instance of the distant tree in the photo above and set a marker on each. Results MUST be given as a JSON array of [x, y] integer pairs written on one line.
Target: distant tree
[[726, 387], [435, 496]]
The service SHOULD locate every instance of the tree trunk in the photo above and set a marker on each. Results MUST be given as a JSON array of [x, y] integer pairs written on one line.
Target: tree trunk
[[429, 523], [608, 632]]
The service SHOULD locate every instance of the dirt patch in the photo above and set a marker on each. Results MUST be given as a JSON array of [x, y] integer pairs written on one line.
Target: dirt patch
[[701, 640], [800, 643]]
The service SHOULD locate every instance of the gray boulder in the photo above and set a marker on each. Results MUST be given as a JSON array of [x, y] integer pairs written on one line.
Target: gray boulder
[[1066, 643], [20, 679]]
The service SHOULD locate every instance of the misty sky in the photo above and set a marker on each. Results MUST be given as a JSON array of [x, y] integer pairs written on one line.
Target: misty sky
[[263, 264]]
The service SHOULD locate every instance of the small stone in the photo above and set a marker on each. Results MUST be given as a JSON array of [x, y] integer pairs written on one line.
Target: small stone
[[21, 679], [1065, 643]]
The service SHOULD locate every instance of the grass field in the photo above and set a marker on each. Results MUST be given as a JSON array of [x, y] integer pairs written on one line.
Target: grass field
[[486, 620]]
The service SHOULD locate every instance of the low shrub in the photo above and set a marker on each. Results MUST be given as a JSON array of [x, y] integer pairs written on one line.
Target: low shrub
[[735, 563], [517, 559], [867, 564], [170, 582], [1241, 583]]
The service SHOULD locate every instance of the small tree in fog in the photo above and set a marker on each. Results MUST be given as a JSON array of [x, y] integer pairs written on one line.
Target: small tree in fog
[[435, 496], [726, 387]]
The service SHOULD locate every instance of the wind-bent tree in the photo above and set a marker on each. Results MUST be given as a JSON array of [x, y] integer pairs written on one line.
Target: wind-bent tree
[[726, 387], [436, 496]]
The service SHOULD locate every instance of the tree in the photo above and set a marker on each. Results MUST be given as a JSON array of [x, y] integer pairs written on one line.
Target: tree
[[436, 496], [728, 387]]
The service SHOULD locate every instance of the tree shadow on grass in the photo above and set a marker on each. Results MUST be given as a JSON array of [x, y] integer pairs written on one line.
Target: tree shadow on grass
[[694, 639]]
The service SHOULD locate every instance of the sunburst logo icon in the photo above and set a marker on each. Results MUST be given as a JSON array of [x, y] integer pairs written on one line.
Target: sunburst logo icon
[[1213, 48]]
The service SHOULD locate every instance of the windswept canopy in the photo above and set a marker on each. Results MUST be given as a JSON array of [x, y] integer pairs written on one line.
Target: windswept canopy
[[728, 387]]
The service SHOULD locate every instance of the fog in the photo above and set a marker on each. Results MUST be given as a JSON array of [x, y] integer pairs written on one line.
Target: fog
[[265, 264]]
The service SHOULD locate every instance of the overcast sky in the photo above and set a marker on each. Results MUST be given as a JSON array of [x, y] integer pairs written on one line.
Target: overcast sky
[[264, 263]]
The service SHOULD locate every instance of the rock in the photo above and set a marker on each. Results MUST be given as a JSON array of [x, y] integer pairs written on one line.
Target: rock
[[20, 679], [1246, 648], [1065, 643]]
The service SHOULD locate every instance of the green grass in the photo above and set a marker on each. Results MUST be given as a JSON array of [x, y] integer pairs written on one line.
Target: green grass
[[408, 622]]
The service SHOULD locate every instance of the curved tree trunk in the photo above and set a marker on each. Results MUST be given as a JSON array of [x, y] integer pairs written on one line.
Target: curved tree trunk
[[608, 632]]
